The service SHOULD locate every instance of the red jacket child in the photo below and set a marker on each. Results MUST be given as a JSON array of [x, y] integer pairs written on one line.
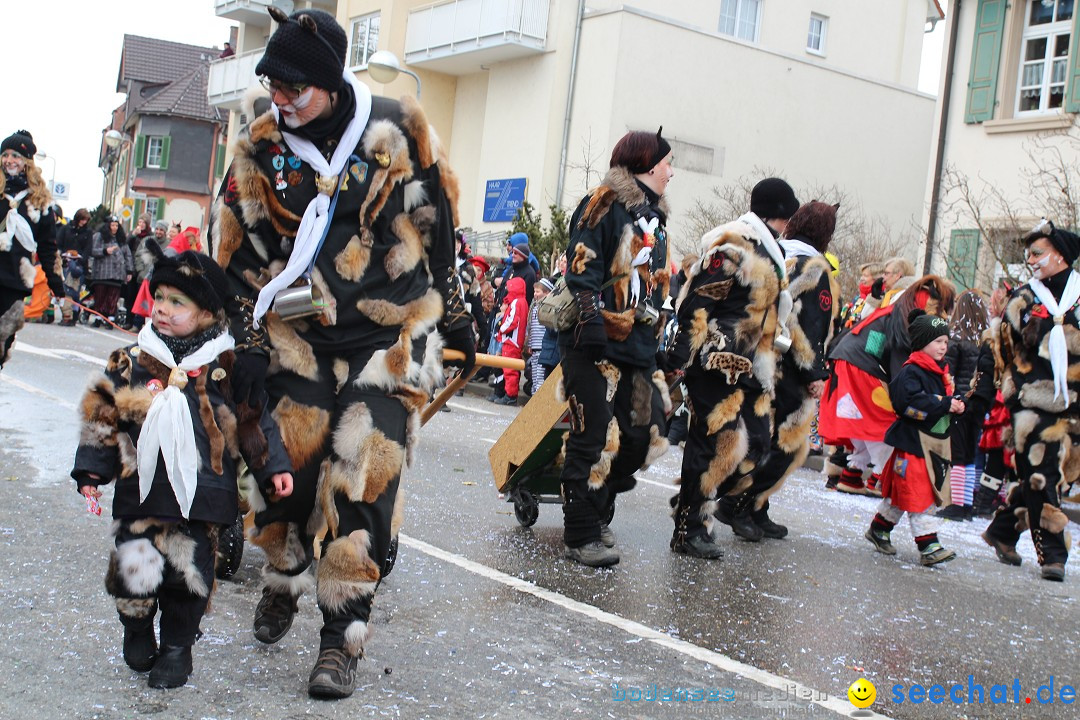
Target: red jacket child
[[512, 329]]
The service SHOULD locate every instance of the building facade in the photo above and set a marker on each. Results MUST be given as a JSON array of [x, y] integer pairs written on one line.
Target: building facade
[[172, 146], [1008, 143], [530, 95]]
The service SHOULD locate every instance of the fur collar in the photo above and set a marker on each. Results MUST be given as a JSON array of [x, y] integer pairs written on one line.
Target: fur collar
[[619, 185]]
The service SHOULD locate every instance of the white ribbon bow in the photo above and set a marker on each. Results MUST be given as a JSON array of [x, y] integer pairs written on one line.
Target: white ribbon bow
[[168, 428], [313, 223], [1059, 352], [17, 225], [643, 256]]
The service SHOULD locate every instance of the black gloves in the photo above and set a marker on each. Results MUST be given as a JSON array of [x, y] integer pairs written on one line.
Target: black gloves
[[463, 340], [249, 374], [877, 290]]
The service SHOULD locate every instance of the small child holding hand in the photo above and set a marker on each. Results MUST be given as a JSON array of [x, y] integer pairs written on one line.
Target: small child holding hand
[[162, 422], [921, 393]]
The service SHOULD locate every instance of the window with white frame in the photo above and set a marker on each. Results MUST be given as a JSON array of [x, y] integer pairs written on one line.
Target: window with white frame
[[152, 206], [815, 36], [363, 40], [154, 149], [740, 19], [1044, 56]]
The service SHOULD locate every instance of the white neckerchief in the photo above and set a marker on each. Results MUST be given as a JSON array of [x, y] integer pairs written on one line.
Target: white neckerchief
[[765, 237], [315, 219], [168, 427], [1059, 352], [643, 256], [17, 225], [797, 248]]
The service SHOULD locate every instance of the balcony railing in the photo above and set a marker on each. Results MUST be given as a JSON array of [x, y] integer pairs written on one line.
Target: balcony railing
[[231, 77], [459, 36]]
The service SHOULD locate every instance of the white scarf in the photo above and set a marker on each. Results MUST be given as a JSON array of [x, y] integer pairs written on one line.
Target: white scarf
[[17, 225], [643, 256], [168, 427], [1059, 352], [798, 248], [765, 237], [313, 223]]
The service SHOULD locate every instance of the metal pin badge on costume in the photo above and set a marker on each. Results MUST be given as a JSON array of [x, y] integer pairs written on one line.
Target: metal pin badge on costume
[[218, 375]]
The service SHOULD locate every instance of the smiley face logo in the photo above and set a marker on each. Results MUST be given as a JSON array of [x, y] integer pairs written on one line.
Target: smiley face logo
[[862, 693]]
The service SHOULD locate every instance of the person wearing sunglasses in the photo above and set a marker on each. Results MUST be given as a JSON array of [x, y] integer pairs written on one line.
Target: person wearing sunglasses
[[335, 225]]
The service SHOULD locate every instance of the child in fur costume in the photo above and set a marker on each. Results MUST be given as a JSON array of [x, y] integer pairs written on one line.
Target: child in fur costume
[[922, 395], [162, 423]]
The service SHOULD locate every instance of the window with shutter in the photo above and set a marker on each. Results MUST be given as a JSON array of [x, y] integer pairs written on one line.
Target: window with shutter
[[985, 60], [219, 161], [140, 150], [963, 258]]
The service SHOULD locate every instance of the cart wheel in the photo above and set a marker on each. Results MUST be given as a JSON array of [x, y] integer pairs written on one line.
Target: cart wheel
[[230, 549], [610, 514], [391, 558], [526, 508]]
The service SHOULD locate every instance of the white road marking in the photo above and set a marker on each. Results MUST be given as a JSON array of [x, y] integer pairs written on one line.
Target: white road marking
[[490, 440], [57, 353], [666, 486], [466, 408], [36, 391], [34, 350], [718, 660]]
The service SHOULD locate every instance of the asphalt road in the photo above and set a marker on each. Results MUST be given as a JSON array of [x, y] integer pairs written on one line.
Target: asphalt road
[[483, 619]]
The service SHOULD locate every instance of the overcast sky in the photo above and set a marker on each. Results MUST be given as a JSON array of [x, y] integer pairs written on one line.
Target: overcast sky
[[63, 60]]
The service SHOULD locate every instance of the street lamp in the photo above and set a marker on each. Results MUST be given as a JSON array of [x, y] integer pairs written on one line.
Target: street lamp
[[384, 67], [115, 141]]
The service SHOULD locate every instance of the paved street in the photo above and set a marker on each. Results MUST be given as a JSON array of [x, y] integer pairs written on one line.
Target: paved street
[[483, 619]]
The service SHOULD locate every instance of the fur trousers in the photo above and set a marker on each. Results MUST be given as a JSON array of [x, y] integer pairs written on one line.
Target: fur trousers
[[727, 437], [1047, 459], [347, 440], [616, 422], [11, 320], [163, 565]]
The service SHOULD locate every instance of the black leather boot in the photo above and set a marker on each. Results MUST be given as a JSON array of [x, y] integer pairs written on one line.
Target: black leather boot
[[736, 513], [769, 528], [172, 667]]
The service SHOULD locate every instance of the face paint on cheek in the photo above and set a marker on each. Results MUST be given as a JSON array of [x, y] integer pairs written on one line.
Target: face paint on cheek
[[1038, 269], [303, 99]]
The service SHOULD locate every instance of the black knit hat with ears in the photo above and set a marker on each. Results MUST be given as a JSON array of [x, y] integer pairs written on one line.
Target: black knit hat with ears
[[196, 275], [308, 47], [21, 142]]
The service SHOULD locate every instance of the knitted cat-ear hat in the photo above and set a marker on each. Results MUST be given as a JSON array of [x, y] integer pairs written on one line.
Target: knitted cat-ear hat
[[196, 275], [308, 47]]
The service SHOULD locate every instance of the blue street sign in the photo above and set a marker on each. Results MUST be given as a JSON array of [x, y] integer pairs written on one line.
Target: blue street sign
[[503, 199]]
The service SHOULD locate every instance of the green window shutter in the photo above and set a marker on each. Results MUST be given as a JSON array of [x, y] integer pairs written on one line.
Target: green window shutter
[[219, 161], [137, 211], [140, 151], [165, 142], [1072, 88], [985, 59], [160, 214], [963, 257]]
